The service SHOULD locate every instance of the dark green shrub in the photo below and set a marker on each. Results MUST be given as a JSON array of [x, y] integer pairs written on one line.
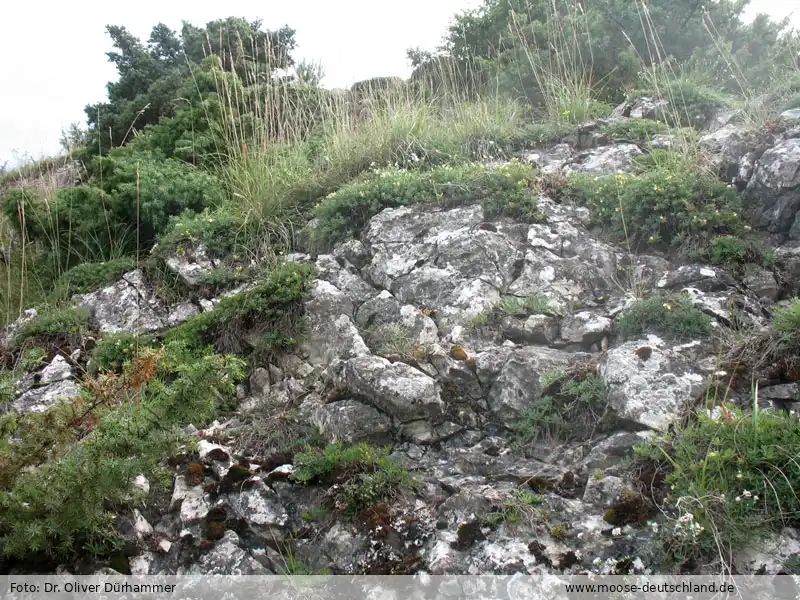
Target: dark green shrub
[[224, 233], [116, 349], [663, 207], [126, 425], [53, 324], [735, 253], [129, 205], [262, 320], [89, 277], [674, 316], [730, 481], [147, 189], [77, 224], [504, 191], [364, 474]]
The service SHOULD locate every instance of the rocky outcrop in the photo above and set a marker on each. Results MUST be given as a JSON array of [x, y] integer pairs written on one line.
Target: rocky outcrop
[[773, 192], [433, 335]]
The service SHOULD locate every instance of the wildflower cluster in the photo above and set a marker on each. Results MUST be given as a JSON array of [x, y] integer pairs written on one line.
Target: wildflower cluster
[[659, 207]]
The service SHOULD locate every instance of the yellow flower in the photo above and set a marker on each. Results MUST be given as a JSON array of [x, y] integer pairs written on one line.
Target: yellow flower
[[667, 305]]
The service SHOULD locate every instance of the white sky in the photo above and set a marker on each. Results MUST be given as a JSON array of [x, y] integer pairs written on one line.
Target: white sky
[[53, 52]]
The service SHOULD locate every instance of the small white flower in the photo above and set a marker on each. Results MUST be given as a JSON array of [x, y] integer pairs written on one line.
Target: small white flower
[[581, 535], [617, 531], [739, 475], [746, 494], [755, 498], [738, 498]]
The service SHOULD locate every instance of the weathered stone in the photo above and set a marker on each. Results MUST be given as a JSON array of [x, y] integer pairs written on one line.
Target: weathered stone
[[585, 328], [762, 283], [397, 389], [772, 197], [551, 160], [260, 382], [536, 329], [380, 310], [57, 370], [605, 491], [644, 107], [125, 306], [141, 485], [651, 389], [702, 277], [728, 145], [606, 160], [345, 277], [191, 265], [194, 506], [181, 313], [778, 554], [40, 399], [793, 114], [141, 527], [350, 421], [332, 335], [420, 327], [258, 505], [226, 558], [354, 252], [613, 449]]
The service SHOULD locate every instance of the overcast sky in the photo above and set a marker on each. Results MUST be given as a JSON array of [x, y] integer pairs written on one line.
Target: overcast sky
[[53, 52]]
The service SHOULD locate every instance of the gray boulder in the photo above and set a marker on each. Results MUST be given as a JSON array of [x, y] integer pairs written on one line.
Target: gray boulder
[[126, 306], [397, 389], [351, 421], [606, 160], [772, 198], [651, 384]]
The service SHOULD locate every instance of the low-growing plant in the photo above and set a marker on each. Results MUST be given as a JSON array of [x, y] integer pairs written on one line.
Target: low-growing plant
[[73, 463], [513, 306], [222, 233], [786, 327], [360, 475], [522, 306], [88, 277], [395, 339], [572, 406], [260, 321], [691, 102], [736, 254], [671, 315], [634, 129], [729, 481], [115, 350], [275, 429], [56, 324], [504, 191], [8, 387], [521, 508], [27, 361]]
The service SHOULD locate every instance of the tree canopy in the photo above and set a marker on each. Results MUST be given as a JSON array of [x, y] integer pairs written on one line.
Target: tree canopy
[[153, 74], [611, 40]]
